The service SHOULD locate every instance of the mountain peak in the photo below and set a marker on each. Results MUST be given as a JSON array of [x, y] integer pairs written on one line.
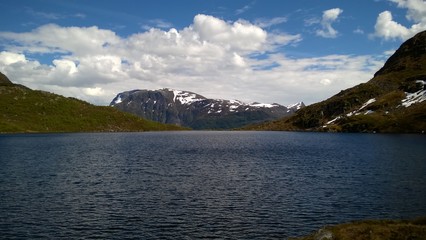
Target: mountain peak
[[297, 106], [407, 56], [4, 81]]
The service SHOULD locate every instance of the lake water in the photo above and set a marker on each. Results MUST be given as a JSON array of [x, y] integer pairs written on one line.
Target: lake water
[[197, 185]]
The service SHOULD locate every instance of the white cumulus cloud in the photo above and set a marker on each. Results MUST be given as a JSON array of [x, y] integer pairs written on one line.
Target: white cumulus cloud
[[328, 18], [240, 35], [96, 91], [52, 38], [211, 56], [389, 29], [8, 58]]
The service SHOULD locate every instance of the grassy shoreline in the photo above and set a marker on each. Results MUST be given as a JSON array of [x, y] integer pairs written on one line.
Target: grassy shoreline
[[414, 229]]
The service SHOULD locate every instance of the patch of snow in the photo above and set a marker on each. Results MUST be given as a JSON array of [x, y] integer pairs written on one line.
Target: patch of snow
[[118, 100], [297, 106], [332, 121], [367, 103], [262, 105], [175, 93], [351, 113], [185, 97], [416, 97], [237, 102], [233, 107], [357, 112]]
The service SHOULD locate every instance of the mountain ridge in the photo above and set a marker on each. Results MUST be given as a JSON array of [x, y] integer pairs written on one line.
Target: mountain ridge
[[193, 110], [4, 81], [392, 101]]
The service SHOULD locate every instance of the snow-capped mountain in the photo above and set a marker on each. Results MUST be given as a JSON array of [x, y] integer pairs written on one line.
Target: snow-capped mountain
[[189, 109]]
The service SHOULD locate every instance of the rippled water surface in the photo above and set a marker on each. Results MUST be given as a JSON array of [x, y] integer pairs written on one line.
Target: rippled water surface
[[197, 185]]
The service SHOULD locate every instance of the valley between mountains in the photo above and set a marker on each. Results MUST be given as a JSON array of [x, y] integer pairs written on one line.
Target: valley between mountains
[[394, 101]]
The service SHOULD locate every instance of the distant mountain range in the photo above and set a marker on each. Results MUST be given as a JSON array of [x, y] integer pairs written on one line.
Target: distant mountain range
[[393, 101], [192, 110], [26, 110]]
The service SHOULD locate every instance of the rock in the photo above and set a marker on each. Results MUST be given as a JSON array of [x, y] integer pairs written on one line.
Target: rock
[[323, 234]]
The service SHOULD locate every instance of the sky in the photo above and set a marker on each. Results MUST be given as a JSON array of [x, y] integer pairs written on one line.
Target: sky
[[269, 51]]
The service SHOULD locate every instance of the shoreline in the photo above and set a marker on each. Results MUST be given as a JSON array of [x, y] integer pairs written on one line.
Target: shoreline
[[371, 229]]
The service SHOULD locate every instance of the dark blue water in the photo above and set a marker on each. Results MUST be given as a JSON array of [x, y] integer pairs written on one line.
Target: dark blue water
[[197, 185]]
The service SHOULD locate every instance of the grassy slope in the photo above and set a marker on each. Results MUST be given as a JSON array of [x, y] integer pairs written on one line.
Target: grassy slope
[[26, 110], [373, 229], [388, 87]]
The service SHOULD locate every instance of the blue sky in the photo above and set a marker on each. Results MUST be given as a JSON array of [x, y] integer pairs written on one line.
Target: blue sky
[[269, 51]]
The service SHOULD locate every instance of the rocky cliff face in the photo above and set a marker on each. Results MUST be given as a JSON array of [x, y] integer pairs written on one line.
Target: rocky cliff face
[[195, 111]]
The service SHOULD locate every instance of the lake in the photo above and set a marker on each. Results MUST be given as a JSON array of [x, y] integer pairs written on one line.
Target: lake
[[201, 184]]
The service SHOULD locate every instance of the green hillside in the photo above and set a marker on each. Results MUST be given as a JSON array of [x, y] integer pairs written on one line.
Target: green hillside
[[390, 102], [26, 110]]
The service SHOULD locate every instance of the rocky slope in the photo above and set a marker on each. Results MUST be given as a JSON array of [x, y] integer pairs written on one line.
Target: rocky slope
[[26, 110], [393, 101], [192, 110]]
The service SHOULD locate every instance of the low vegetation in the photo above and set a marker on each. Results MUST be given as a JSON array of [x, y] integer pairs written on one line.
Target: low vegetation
[[26, 110], [373, 229]]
